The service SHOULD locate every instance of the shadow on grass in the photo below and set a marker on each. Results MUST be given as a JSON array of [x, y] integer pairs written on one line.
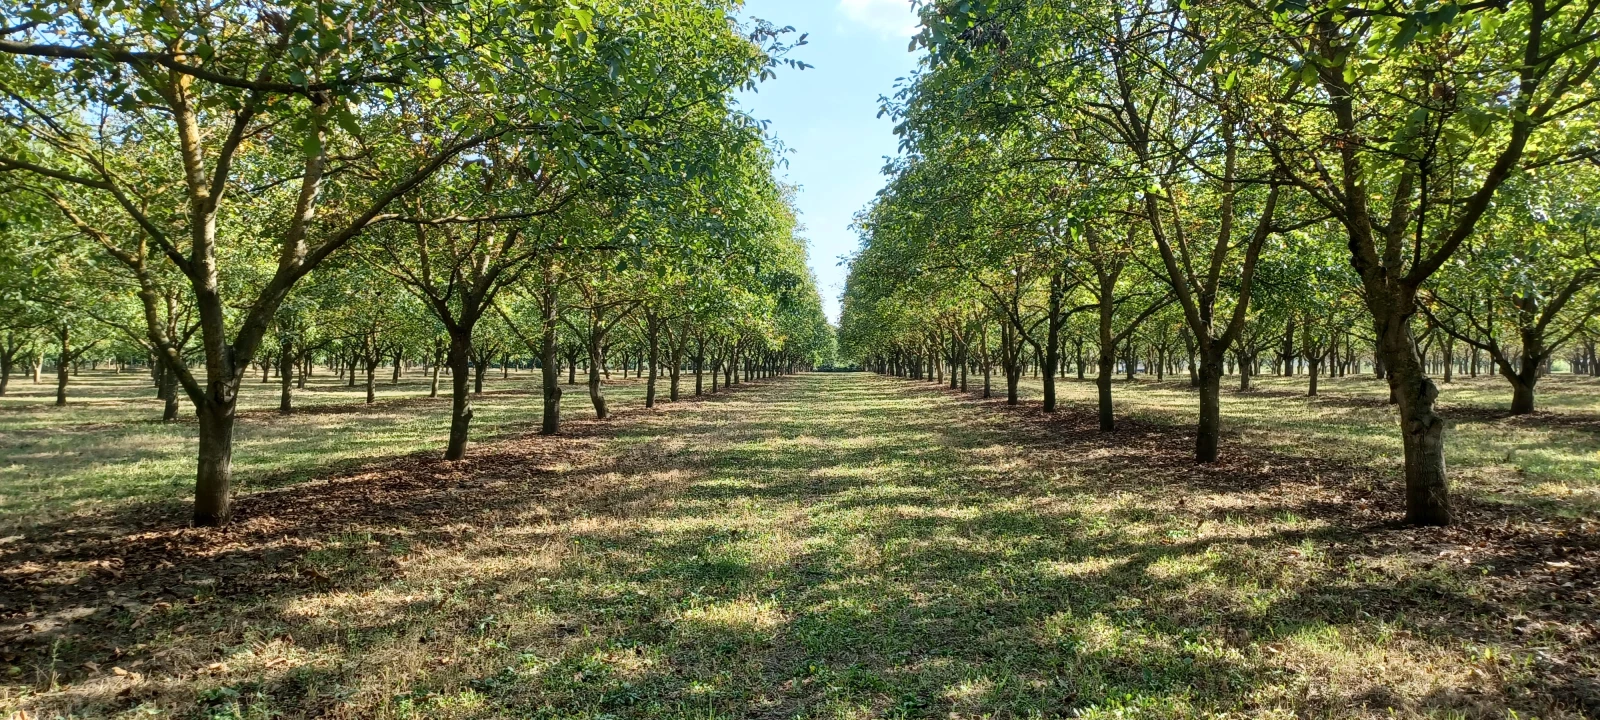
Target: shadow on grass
[[828, 546]]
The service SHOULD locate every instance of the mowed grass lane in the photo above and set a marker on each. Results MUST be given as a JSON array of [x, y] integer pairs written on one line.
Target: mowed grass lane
[[847, 546]]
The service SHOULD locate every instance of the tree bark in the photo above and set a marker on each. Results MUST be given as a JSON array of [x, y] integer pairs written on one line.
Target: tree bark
[[168, 393], [596, 396], [653, 338], [1209, 432], [549, 366], [213, 488], [286, 360], [1422, 431], [459, 358], [63, 363]]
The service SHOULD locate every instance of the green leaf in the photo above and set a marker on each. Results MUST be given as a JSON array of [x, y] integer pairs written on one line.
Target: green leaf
[[1408, 32]]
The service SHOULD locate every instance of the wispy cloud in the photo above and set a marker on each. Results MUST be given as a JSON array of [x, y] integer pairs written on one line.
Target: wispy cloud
[[889, 17]]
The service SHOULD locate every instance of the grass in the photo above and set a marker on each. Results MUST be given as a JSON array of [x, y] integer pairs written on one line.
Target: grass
[[1550, 460], [108, 446], [824, 546]]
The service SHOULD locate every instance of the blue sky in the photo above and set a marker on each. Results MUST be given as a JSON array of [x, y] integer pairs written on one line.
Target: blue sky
[[827, 115]]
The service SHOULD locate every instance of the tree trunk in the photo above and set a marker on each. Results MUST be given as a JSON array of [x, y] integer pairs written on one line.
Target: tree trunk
[[286, 361], [1422, 431], [549, 369], [169, 393], [1209, 432], [595, 395], [1102, 383], [460, 360], [699, 368], [1522, 394], [653, 338], [63, 366], [674, 370], [213, 488], [372, 373]]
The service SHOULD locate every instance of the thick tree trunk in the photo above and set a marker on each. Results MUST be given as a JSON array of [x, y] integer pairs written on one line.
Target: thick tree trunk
[[372, 373], [1209, 432], [460, 360], [213, 488], [169, 393], [1522, 386], [62, 371], [1102, 383], [1422, 431]]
